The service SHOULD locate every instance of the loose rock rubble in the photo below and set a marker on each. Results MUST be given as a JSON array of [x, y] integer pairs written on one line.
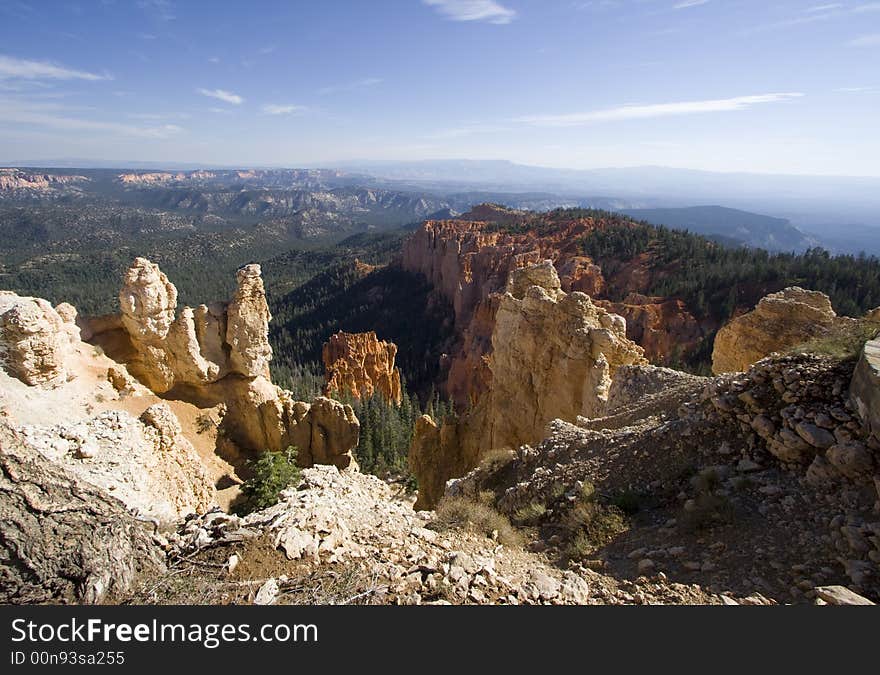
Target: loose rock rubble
[[761, 482], [338, 518]]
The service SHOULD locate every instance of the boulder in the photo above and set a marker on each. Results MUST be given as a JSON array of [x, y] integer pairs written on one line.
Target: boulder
[[35, 341], [864, 390], [780, 322]]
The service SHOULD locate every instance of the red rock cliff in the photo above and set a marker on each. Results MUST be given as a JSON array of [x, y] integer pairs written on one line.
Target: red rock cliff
[[469, 259]]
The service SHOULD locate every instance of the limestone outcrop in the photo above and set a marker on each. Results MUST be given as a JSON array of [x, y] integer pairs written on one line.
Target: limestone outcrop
[[554, 355], [468, 262], [247, 325], [220, 353], [12, 180], [781, 321], [147, 463], [864, 389], [359, 365], [261, 416], [199, 346], [35, 339]]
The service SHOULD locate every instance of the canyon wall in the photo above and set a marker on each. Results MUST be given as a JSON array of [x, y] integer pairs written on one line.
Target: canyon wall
[[468, 261]]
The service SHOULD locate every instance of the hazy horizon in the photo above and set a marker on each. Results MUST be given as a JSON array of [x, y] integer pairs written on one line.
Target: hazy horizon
[[788, 88], [186, 165]]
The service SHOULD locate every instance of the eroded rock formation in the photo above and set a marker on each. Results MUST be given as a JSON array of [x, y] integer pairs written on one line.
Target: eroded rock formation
[[16, 179], [358, 364], [145, 463], [199, 346], [780, 321], [553, 356], [220, 353], [35, 339]]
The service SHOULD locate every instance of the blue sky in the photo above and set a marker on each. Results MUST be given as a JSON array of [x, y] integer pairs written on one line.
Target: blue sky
[[781, 86]]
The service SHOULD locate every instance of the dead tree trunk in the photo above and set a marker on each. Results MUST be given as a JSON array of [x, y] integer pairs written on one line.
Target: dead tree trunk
[[63, 540]]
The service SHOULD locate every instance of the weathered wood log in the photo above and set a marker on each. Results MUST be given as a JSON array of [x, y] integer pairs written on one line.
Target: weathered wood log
[[63, 540]]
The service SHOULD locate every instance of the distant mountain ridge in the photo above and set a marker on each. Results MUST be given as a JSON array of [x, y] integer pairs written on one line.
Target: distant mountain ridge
[[838, 213], [752, 229]]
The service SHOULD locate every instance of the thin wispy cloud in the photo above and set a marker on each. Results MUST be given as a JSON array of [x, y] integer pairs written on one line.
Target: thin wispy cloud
[[29, 114], [639, 112], [473, 10], [815, 14], [221, 95], [159, 116], [685, 4], [854, 90], [282, 109], [160, 9], [468, 130], [12, 68], [872, 40], [350, 86], [823, 8]]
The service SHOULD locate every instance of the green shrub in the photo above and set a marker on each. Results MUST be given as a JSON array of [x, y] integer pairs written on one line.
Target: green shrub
[[272, 472], [843, 342], [530, 513], [592, 524]]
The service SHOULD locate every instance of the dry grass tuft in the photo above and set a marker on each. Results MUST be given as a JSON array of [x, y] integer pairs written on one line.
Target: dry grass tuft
[[458, 513]]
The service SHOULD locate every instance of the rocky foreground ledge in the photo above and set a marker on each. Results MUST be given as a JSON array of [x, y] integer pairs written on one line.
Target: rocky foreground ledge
[[344, 537]]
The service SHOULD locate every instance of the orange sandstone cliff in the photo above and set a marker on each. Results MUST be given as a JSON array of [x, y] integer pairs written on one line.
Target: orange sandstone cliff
[[469, 260]]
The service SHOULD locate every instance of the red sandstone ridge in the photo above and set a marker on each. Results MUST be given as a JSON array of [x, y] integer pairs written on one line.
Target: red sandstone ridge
[[360, 365], [468, 261]]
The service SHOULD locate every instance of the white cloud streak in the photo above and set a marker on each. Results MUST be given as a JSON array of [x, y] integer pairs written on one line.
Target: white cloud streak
[[30, 114], [221, 95], [816, 14], [638, 112], [488, 11], [282, 109], [685, 4], [872, 40], [12, 68], [824, 8], [349, 86]]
